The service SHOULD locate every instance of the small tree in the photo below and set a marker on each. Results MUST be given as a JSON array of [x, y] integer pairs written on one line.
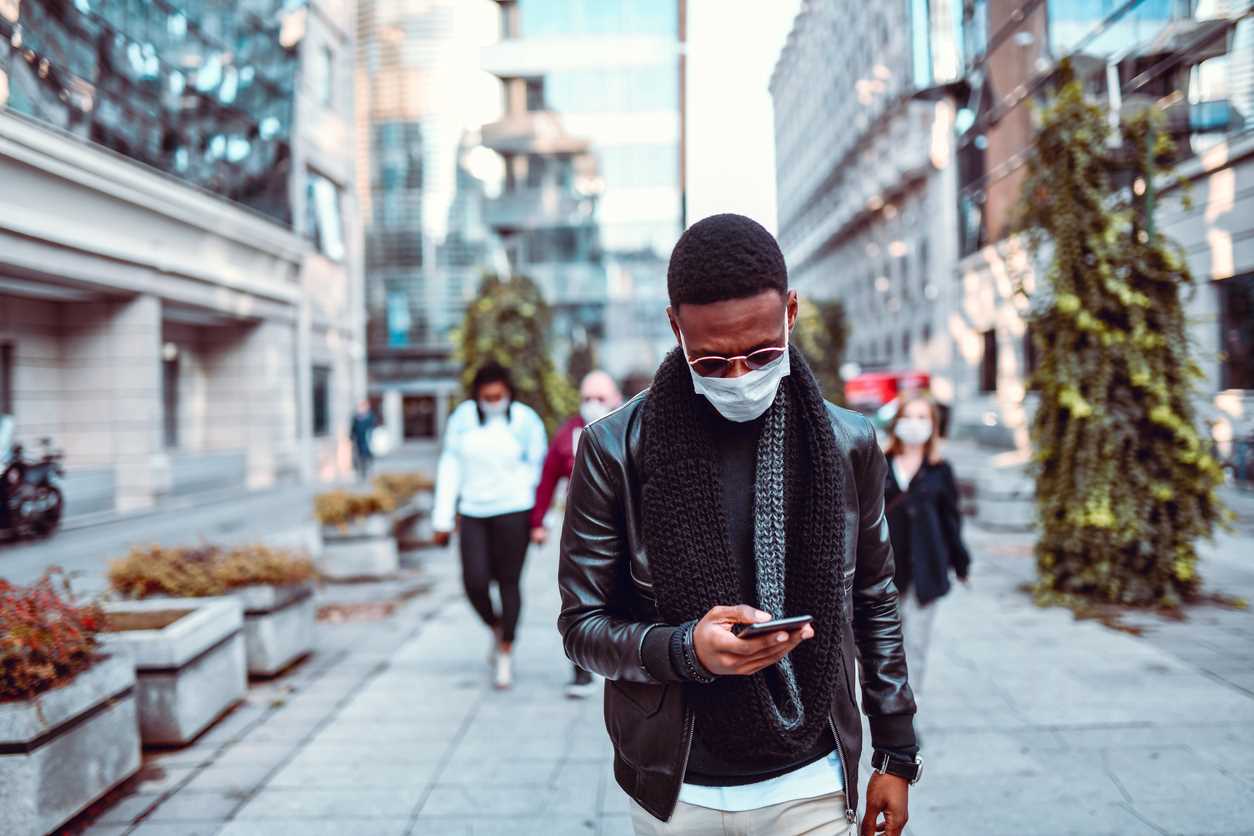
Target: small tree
[[509, 322], [1124, 483], [821, 333]]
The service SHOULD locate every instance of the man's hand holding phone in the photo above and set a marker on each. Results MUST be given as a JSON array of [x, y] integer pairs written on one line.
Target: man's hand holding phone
[[723, 653]]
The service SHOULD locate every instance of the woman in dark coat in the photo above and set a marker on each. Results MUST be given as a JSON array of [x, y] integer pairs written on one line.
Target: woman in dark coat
[[924, 522]]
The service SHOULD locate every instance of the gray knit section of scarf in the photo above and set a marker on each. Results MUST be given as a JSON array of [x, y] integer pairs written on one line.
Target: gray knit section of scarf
[[769, 548]]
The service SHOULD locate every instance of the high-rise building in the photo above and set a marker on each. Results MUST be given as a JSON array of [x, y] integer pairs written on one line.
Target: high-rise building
[[897, 187], [864, 115], [180, 262], [426, 244], [592, 139], [1192, 60]]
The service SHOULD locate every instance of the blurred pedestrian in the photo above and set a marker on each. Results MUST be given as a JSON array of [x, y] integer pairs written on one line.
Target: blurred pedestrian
[[729, 494], [925, 522], [493, 451], [360, 430], [599, 396]]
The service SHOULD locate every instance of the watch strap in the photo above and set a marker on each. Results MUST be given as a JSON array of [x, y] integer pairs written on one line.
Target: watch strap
[[885, 764]]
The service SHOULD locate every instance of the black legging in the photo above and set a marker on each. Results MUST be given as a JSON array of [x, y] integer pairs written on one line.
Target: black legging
[[493, 549]]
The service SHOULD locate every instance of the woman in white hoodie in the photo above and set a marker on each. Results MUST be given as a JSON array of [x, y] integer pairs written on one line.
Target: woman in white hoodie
[[494, 450]]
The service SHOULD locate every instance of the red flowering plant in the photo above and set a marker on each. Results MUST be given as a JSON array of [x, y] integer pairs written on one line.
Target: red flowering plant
[[46, 639]]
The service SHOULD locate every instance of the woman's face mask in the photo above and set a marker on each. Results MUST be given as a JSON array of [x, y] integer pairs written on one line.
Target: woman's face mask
[[494, 409], [914, 430], [744, 398]]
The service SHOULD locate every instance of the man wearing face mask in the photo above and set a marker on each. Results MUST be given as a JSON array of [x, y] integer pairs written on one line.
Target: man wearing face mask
[[598, 396], [730, 493], [493, 451]]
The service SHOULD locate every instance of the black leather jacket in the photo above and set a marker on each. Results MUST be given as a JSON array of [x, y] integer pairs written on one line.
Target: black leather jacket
[[608, 608]]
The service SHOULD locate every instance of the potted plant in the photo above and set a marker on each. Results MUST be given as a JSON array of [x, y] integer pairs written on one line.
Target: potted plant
[[412, 495], [68, 731], [356, 535], [275, 587]]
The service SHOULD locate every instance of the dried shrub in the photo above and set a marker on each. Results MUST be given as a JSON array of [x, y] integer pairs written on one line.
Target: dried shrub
[[201, 571], [402, 487], [45, 638], [342, 507]]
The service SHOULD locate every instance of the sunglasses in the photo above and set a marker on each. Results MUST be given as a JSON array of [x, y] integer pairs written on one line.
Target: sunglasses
[[715, 366]]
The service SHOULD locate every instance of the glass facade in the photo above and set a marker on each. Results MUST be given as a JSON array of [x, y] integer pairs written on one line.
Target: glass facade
[[603, 17], [1073, 24], [612, 89], [199, 89]]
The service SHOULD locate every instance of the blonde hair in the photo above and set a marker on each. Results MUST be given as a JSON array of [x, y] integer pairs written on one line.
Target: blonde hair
[[931, 449]]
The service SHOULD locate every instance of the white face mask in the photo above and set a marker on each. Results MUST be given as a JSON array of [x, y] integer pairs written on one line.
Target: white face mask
[[494, 409], [591, 410], [743, 398], [914, 430]]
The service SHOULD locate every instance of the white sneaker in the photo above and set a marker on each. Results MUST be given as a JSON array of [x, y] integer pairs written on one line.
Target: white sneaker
[[504, 677]]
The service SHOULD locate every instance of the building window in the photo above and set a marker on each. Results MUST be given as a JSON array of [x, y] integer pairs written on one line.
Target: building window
[[988, 363], [905, 345], [321, 401], [6, 379], [324, 223], [324, 76], [1236, 339], [926, 334], [170, 396], [535, 95], [1031, 360], [419, 414]]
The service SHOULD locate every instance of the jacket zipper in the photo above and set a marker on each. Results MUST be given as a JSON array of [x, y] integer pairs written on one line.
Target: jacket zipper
[[690, 724], [850, 815]]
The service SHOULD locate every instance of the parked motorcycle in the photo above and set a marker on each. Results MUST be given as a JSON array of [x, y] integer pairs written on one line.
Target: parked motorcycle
[[30, 500]]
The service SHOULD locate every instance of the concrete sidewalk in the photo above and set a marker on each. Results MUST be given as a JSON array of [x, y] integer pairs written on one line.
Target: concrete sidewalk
[[1032, 723]]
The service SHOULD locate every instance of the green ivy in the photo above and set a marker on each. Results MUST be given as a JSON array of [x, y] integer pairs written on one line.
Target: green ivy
[[1125, 485], [509, 322]]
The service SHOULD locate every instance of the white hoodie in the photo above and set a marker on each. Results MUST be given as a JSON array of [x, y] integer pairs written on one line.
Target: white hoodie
[[490, 468]]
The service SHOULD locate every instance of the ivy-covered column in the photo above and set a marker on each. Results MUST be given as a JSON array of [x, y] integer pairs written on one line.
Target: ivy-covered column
[[1125, 484]]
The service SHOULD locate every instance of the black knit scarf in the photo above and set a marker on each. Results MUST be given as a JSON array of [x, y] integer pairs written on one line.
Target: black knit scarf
[[685, 533]]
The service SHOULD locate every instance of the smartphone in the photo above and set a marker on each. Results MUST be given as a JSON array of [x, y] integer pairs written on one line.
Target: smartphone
[[764, 628]]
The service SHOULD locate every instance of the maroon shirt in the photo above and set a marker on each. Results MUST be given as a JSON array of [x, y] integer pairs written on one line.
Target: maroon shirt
[[558, 465]]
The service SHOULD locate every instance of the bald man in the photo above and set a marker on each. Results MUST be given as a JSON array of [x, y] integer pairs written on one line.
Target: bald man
[[599, 396]]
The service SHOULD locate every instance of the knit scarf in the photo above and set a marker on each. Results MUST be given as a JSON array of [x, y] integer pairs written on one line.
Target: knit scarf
[[799, 537]]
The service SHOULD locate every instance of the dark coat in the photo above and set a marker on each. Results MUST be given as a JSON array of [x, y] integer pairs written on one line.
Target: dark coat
[[608, 607], [925, 524]]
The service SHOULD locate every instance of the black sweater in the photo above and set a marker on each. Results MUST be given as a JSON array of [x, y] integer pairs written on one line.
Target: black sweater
[[736, 446]]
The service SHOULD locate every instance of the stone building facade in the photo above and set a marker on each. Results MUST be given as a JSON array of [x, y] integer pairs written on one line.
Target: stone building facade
[[180, 275]]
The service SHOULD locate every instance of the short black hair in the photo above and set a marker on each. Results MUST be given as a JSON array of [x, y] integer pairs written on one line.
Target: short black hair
[[724, 257], [491, 372]]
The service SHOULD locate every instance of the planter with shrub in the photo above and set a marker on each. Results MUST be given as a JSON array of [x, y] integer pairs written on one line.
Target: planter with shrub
[[68, 730], [274, 586], [357, 541], [413, 495], [189, 661]]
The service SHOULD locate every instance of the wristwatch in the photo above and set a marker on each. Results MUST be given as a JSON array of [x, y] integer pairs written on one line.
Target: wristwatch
[[886, 764]]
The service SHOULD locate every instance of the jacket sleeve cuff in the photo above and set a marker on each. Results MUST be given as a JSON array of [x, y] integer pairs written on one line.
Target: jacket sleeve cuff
[[655, 653], [894, 733]]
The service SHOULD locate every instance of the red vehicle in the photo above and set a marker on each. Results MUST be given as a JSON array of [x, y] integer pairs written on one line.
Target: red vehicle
[[875, 394]]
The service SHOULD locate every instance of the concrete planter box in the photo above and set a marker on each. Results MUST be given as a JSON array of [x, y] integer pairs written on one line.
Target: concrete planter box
[[189, 662], [411, 523], [362, 549], [66, 748], [278, 626]]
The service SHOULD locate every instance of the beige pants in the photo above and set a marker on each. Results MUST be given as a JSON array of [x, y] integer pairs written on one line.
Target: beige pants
[[822, 816]]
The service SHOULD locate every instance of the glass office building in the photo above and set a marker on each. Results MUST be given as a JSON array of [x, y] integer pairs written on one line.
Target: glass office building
[[592, 140], [200, 89]]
